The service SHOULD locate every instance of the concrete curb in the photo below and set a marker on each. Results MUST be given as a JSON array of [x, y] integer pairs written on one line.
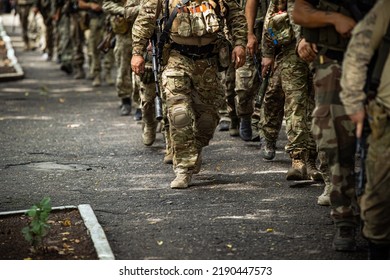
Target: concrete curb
[[11, 56], [98, 236]]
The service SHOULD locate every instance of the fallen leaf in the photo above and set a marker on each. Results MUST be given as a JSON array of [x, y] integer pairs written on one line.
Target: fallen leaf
[[229, 246], [270, 230], [67, 223], [160, 242], [65, 233], [61, 100]]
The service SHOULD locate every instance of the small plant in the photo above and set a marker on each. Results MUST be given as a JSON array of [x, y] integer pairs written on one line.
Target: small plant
[[38, 226]]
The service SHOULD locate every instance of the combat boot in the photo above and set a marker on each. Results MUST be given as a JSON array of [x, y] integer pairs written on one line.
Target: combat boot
[[298, 166], [233, 128], [182, 180], [108, 79], [168, 157], [246, 128], [138, 114], [125, 106], [268, 150], [312, 172], [224, 124], [344, 239], [149, 133], [324, 198], [97, 81]]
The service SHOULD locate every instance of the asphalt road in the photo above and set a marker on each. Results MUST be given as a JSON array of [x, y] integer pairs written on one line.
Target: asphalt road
[[62, 138]]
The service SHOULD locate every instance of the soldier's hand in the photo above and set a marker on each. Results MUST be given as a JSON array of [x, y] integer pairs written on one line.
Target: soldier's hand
[[252, 44], [344, 25], [307, 51], [358, 119], [138, 64], [267, 64], [238, 56]]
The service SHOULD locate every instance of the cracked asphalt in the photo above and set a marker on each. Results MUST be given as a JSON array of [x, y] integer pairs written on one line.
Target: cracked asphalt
[[62, 138]]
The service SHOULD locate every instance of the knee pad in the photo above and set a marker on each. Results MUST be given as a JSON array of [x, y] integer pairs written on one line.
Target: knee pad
[[180, 117]]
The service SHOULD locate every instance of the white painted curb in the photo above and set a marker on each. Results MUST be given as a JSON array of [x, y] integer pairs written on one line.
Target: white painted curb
[[98, 236]]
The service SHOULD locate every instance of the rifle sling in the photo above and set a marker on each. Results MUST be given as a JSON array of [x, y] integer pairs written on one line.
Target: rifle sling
[[165, 33]]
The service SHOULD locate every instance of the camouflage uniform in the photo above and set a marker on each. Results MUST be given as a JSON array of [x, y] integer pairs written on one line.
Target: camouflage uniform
[[65, 44], [126, 10], [375, 202], [288, 94], [193, 91], [23, 9]]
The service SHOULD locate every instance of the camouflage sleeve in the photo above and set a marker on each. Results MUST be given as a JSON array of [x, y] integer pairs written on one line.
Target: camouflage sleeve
[[145, 24], [113, 7], [365, 39], [296, 28], [131, 9], [267, 48], [236, 23]]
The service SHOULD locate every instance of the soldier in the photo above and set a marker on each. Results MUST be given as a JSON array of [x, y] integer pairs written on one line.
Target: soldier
[[288, 93], [194, 94], [23, 9], [375, 202], [97, 24], [47, 10], [122, 14], [328, 27]]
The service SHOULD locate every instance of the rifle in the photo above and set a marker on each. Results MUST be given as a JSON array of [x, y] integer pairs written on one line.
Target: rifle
[[263, 81], [108, 41], [157, 99]]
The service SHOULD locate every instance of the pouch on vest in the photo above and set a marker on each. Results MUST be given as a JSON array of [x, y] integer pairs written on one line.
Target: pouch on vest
[[225, 49], [210, 18], [197, 22], [184, 23], [282, 31], [119, 24]]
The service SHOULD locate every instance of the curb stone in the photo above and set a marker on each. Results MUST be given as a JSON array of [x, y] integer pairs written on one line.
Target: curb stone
[[100, 242]]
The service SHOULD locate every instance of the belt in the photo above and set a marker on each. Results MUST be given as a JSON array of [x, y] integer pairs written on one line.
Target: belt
[[195, 52]]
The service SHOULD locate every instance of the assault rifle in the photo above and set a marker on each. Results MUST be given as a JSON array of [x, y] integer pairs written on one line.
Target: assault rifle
[[108, 42], [157, 99], [263, 81]]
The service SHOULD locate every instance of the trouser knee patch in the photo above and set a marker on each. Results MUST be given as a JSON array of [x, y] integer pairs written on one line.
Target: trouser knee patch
[[180, 117]]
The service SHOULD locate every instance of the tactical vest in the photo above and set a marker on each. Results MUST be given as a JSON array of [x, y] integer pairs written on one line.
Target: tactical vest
[[196, 23], [327, 37]]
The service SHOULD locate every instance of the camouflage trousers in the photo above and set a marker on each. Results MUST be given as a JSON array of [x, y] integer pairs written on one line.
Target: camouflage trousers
[[78, 40], [122, 52], [65, 44], [289, 95], [334, 133], [49, 36], [194, 94], [147, 89], [375, 202], [96, 26]]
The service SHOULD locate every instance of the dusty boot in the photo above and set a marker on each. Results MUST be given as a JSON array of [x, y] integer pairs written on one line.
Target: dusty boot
[[224, 124], [233, 128], [268, 150], [312, 172], [246, 128], [149, 133], [198, 164], [324, 198], [298, 166], [168, 157], [97, 81], [182, 180], [344, 239]]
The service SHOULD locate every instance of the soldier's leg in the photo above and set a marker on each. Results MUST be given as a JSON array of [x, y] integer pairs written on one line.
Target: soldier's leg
[[231, 100], [124, 84], [78, 44], [96, 27], [296, 82], [334, 133], [247, 83], [108, 64], [65, 45], [273, 111]]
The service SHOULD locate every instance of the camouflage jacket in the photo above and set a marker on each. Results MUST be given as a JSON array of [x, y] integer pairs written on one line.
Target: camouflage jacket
[[150, 10], [268, 48], [366, 37]]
